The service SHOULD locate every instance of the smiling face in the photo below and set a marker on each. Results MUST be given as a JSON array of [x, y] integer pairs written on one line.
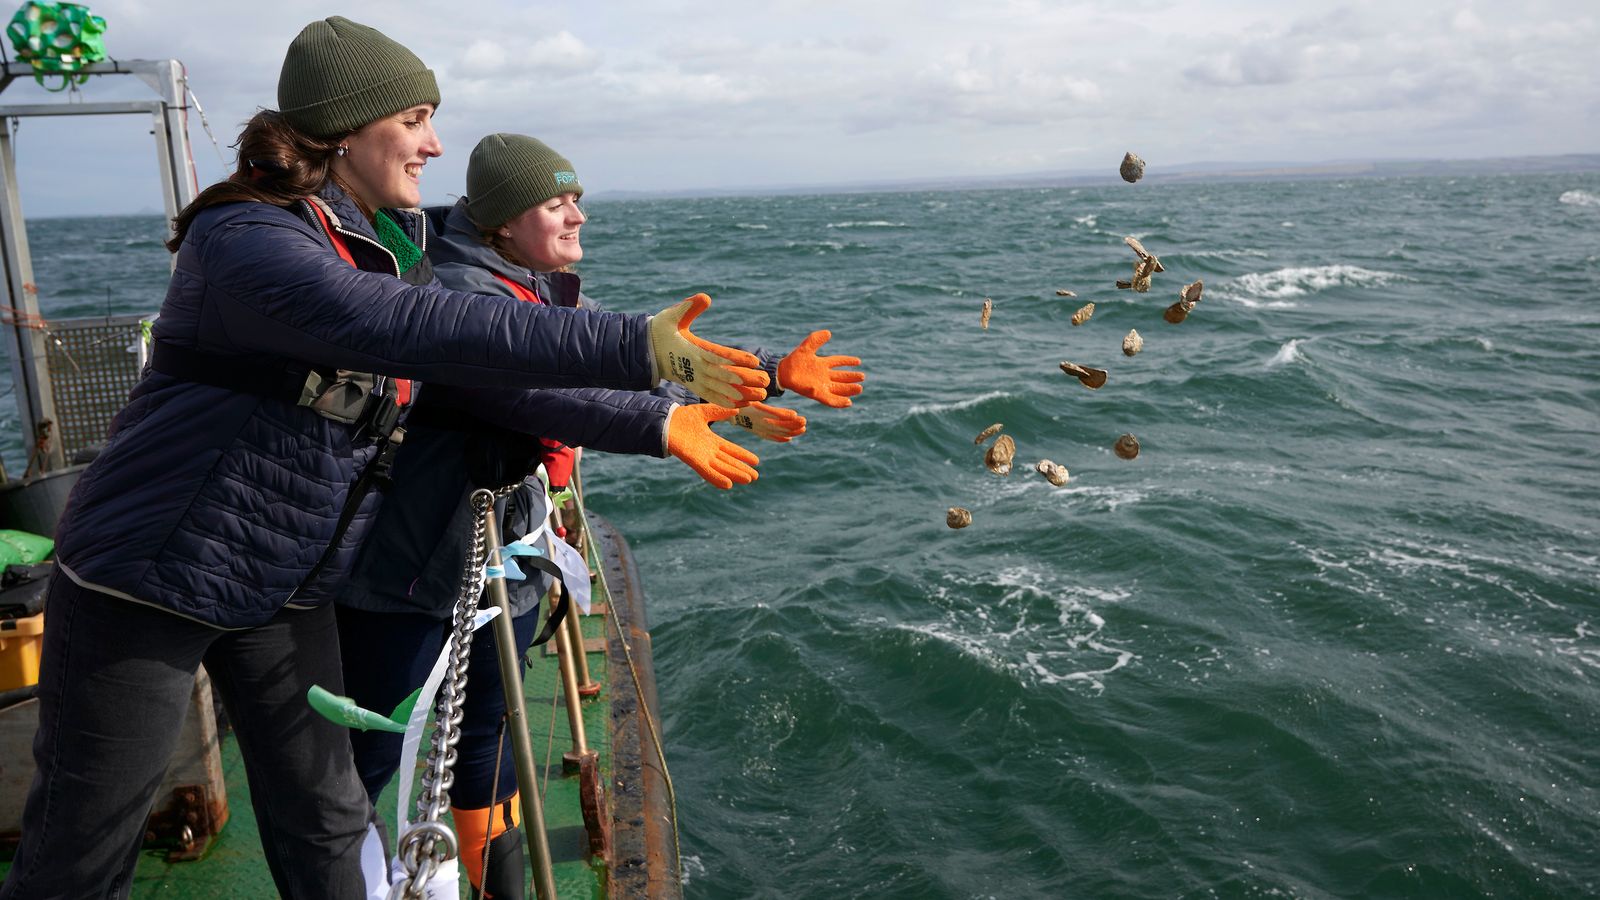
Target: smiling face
[[546, 235], [383, 164]]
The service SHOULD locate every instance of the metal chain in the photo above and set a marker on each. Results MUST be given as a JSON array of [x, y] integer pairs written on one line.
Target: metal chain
[[429, 842]]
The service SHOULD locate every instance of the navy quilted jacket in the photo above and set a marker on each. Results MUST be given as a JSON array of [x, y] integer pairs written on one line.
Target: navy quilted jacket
[[216, 504], [412, 558]]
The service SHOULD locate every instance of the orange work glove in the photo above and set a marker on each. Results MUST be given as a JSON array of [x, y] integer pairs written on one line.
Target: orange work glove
[[771, 423], [715, 373], [690, 438], [821, 378]]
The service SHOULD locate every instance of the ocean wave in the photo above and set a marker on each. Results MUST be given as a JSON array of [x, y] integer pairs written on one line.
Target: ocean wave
[[1223, 254], [751, 226], [876, 223], [1297, 281], [1288, 353], [818, 246], [1108, 498], [922, 409], [1087, 221], [1580, 198]]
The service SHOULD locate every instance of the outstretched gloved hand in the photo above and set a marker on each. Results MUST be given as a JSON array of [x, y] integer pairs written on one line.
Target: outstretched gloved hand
[[771, 423], [822, 378], [715, 373], [719, 461]]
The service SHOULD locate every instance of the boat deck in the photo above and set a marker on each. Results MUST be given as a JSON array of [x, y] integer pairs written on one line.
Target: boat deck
[[233, 866]]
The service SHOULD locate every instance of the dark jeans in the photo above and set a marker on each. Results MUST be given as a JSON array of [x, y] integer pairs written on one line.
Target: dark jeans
[[114, 686], [387, 656]]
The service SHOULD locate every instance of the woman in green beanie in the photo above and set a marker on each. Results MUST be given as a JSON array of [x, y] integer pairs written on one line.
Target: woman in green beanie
[[227, 503], [517, 233]]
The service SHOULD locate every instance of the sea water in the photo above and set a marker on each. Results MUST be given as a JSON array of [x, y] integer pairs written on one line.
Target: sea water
[[1334, 632]]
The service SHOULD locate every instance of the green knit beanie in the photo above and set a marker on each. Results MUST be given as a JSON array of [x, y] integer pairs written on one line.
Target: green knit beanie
[[511, 173], [339, 75]]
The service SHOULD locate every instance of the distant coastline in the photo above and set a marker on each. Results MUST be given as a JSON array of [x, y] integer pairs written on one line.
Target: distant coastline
[[1156, 174]]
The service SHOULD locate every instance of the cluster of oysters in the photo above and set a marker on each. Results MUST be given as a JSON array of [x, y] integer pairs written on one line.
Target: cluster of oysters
[[999, 456]]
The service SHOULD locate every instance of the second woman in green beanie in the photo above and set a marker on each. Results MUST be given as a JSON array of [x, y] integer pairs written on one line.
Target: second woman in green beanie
[[227, 503], [516, 233]]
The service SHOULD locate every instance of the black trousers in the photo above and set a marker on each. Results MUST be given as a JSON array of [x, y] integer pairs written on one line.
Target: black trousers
[[388, 655], [114, 686]]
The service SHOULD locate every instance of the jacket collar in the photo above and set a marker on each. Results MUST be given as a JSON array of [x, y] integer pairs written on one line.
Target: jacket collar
[[459, 243]]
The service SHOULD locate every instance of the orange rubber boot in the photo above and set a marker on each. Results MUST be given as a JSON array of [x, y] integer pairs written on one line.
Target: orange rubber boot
[[497, 828]]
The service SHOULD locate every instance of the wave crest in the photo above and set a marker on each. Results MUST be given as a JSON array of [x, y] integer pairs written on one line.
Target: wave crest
[[1297, 281], [1580, 198]]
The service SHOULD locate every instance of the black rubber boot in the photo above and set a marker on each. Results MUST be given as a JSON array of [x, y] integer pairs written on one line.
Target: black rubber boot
[[504, 878]]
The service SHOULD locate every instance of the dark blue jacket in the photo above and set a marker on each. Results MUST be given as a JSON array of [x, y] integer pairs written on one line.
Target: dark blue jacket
[[460, 439], [216, 504]]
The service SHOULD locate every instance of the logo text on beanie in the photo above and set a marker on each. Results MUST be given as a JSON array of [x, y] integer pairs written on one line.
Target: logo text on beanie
[[566, 178]]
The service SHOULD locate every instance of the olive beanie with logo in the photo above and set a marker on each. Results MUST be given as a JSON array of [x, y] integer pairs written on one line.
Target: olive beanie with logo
[[510, 173], [339, 75]]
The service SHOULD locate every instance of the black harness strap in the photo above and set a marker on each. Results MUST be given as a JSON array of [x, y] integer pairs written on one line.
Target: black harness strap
[[285, 380], [558, 611]]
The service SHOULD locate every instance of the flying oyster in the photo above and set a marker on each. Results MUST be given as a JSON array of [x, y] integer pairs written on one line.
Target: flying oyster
[[987, 433], [1063, 292], [999, 456], [1187, 298], [1133, 343], [1127, 446], [1083, 314], [1132, 168], [956, 517], [1147, 265], [1054, 472], [1091, 378], [988, 307]]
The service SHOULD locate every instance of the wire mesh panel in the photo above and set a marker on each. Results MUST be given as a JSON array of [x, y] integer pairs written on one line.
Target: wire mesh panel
[[93, 363]]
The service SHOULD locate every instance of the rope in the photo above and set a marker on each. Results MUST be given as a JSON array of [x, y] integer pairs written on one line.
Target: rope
[[494, 802]]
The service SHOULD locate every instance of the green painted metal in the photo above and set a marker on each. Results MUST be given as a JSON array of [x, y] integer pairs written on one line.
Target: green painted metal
[[233, 867]]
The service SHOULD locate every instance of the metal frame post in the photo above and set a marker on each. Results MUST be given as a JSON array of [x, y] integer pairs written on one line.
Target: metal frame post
[[179, 186], [544, 884]]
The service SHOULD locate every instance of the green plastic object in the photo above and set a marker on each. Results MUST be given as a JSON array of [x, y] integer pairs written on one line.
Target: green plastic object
[[57, 39], [23, 548], [344, 711]]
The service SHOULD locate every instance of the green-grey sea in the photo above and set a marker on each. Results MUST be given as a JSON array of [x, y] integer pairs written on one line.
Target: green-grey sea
[[1334, 632]]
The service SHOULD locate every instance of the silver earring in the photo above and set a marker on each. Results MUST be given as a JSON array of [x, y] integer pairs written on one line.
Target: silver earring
[[505, 234], [342, 150]]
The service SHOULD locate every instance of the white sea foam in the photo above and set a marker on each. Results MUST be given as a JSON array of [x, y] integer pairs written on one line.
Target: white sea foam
[[876, 223], [1087, 221], [1580, 198], [1297, 281], [819, 246], [751, 226], [1102, 496], [1288, 353], [920, 409]]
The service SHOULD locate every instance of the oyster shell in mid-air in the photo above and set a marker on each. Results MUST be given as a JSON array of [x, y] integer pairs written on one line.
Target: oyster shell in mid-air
[[1054, 472], [1147, 265], [1091, 378], [1127, 446], [1063, 292], [1132, 168], [1133, 343], [988, 307], [1083, 314], [1187, 298], [999, 456], [956, 517], [987, 433]]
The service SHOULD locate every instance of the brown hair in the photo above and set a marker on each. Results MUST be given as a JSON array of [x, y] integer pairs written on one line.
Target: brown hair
[[278, 164]]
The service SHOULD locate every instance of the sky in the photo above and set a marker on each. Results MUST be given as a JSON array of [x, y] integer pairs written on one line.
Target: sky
[[681, 97]]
